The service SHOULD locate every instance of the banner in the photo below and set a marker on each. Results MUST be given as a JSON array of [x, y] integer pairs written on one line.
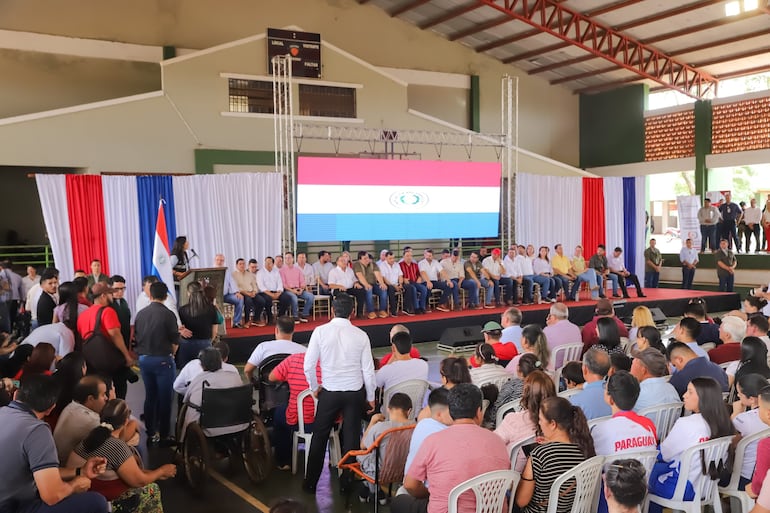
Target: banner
[[689, 228]]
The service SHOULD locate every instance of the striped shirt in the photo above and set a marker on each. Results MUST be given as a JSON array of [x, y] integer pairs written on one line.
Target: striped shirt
[[291, 371], [411, 271], [114, 450], [549, 462]]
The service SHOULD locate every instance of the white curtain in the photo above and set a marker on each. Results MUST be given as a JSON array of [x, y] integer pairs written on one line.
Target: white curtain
[[236, 214], [613, 213], [549, 211], [641, 236], [52, 190], [121, 219]]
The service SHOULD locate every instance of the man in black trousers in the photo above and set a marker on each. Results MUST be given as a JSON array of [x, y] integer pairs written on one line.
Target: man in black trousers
[[345, 356]]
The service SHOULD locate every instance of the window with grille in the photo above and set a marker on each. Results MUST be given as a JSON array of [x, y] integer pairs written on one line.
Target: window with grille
[[251, 96], [327, 101]]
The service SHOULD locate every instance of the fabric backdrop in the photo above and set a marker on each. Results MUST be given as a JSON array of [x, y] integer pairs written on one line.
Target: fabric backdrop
[[150, 189], [594, 231], [52, 190], [85, 206], [613, 210], [548, 211]]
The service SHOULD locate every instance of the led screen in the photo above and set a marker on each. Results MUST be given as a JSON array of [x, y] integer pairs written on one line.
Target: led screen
[[367, 199]]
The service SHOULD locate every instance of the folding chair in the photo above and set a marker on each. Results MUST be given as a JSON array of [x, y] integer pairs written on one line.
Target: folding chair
[[334, 439], [414, 388], [745, 502], [489, 489], [663, 416], [507, 408], [587, 478]]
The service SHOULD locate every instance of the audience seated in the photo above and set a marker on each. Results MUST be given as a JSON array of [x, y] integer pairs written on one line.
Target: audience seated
[[293, 280], [689, 366], [321, 269], [510, 320], [194, 368], [572, 374], [709, 332], [32, 479], [452, 265], [393, 277], [625, 432], [69, 371], [513, 388], [398, 328], [599, 263], [434, 277], [283, 344], [519, 425], [399, 414], [758, 481], [649, 367], [608, 336], [566, 443], [559, 330], [686, 331], [532, 341], [126, 484], [370, 278], [731, 332], [625, 486], [493, 333], [709, 420], [474, 451], [490, 370], [493, 265], [642, 316], [40, 361], [747, 421], [80, 416], [454, 371], [604, 308], [596, 365], [618, 362], [438, 421], [758, 326], [415, 288], [753, 360], [271, 289], [215, 377], [648, 336], [286, 417], [584, 274], [401, 366], [343, 279]]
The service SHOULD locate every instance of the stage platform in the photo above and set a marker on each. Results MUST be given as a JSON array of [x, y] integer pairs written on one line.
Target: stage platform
[[427, 328]]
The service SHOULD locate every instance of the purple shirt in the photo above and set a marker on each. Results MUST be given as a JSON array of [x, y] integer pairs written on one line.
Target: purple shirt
[[563, 332]]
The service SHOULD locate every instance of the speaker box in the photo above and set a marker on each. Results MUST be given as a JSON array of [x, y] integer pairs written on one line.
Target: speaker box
[[658, 316], [461, 336]]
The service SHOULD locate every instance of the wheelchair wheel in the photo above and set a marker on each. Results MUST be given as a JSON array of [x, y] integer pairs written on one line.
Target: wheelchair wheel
[[257, 452], [180, 423], [196, 457]]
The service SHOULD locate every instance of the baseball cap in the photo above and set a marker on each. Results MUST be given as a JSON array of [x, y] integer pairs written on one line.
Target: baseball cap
[[491, 326], [496, 251], [100, 288]]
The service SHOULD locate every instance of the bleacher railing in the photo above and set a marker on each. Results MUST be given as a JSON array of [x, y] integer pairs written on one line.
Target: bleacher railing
[[39, 255]]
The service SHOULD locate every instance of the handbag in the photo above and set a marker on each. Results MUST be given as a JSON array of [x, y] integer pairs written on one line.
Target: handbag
[[100, 353]]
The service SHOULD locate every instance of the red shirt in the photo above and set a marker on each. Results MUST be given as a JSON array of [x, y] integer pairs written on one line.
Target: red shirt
[[291, 370], [724, 353], [87, 321], [411, 271], [414, 353], [504, 352]]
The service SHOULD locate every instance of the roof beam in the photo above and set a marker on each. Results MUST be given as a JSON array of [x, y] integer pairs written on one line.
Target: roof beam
[[454, 13], [704, 26], [531, 33], [408, 6], [480, 27], [611, 85], [576, 29], [733, 57], [744, 72]]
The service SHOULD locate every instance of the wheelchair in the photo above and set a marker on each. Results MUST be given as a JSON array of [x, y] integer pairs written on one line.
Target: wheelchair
[[220, 408], [269, 394]]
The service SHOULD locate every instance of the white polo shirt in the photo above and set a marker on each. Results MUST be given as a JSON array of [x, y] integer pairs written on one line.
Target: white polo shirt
[[269, 280], [494, 267], [432, 269], [345, 277], [390, 273]]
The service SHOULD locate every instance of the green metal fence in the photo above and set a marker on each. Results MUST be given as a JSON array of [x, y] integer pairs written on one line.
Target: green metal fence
[[37, 255]]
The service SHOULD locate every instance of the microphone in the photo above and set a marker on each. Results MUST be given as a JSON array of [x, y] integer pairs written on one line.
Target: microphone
[[194, 254]]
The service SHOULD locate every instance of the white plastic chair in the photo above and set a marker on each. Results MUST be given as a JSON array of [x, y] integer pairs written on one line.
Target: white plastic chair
[[646, 458], [598, 420], [567, 353], [706, 490], [334, 439], [499, 382], [506, 408], [587, 478], [569, 392], [490, 490], [664, 416], [414, 388], [516, 449], [732, 490]]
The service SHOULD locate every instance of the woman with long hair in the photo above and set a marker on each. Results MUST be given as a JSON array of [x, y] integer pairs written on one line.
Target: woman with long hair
[[129, 487], [200, 317], [566, 443], [753, 360], [532, 341], [180, 262], [709, 420], [69, 309], [648, 336], [549, 286], [746, 419], [454, 370], [211, 294], [520, 425], [641, 317], [609, 336], [69, 370], [40, 361], [625, 486], [754, 305], [513, 389]]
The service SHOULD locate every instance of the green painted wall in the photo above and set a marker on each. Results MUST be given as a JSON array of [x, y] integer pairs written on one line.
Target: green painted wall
[[612, 126], [475, 103], [206, 159], [703, 118]]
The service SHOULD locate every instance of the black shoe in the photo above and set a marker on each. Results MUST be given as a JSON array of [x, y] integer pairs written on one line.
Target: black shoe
[[308, 488], [640, 295], [168, 442], [626, 296], [602, 296]]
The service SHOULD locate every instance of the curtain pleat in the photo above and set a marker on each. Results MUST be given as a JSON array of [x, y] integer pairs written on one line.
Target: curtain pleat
[[52, 190], [641, 236], [593, 214], [613, 213], [629, 223], [121, 217], [149, 190], [85, 207], [548, 211]]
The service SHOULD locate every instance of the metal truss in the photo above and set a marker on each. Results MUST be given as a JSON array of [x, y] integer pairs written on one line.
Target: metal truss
[[608, 43]]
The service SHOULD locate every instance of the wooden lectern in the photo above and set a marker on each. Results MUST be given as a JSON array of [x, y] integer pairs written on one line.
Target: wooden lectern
[[211, 276]]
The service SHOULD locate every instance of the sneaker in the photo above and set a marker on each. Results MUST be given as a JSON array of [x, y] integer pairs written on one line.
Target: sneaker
[[302, 318], [371, 315], [382, 314], [153, 439], [442, 308], [407, 312], [489, 305]]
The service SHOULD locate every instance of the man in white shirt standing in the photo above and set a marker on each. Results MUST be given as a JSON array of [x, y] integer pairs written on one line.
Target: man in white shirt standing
[[708, 217], [283, 344], [433, 275], [321, 269], [689, 258], [394, 279], [752, 216], [345, 356], [271, 289], [401, 366], [618, 268]]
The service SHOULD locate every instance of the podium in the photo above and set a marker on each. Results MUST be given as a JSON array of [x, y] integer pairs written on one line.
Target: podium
[[210, 276]]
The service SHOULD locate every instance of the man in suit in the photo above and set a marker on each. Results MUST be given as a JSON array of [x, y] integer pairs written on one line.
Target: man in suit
[[96, 273], [120, 305]]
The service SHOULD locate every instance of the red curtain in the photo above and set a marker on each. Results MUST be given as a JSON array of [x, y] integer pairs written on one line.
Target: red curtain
[[593, 215], [86, 216]]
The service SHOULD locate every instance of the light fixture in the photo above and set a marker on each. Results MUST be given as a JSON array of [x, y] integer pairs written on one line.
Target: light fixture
[[733, 8], [749, 5]]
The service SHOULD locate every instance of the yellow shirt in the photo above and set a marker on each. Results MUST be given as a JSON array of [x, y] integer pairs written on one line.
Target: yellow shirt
[[579, 264], [560, 264]]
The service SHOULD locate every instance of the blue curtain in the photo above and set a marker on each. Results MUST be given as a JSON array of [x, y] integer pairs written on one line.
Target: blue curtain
[[150, 189], [629, 222]]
